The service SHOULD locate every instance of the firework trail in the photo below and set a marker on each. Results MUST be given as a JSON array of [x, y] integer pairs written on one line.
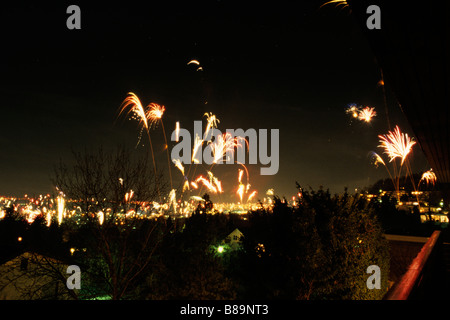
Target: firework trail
[[337, 3], [134, 106], [251, 195], [177, 131], [240, 191], [397, 145], [197, 144], [129, 195], [154, 114], [194, 62], [101, 217], [172, 200], [377, 159], [60, 203], [179, 165]]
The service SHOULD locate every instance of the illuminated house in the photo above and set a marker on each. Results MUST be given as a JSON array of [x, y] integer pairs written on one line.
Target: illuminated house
[[233, 240]]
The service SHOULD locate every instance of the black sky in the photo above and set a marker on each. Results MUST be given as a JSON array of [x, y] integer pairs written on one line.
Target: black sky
[[280, 64]]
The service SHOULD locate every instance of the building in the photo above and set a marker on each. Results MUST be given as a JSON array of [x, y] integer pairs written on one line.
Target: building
[[32, 276]]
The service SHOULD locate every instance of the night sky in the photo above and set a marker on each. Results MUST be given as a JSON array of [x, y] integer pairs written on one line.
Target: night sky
[[272, 65]]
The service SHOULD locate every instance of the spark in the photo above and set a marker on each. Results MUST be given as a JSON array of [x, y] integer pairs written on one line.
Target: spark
[[270, 192], [396, 144], [366, 114]]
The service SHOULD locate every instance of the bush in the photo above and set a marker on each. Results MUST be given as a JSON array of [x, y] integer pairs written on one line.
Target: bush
[[319, 249]]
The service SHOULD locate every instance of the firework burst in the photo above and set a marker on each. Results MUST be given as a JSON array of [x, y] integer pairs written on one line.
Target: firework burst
[[154, 113], [396, 144], [212, 122], [429, 177], [366, 114], [376, 158], [134, 106]]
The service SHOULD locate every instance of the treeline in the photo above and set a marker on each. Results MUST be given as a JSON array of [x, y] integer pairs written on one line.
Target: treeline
[[319, 249]]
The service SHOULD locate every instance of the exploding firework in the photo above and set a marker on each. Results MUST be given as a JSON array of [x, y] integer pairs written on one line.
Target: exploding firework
[[353, 110], [154, 113], [366, 114], [208, 184], [212, 123], [376, 158], [396, 144], [429, 177], [222, 145], [214, 181], [136, 108]]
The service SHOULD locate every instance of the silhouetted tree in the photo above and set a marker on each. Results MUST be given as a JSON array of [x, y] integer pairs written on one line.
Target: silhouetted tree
[[116, 254]]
